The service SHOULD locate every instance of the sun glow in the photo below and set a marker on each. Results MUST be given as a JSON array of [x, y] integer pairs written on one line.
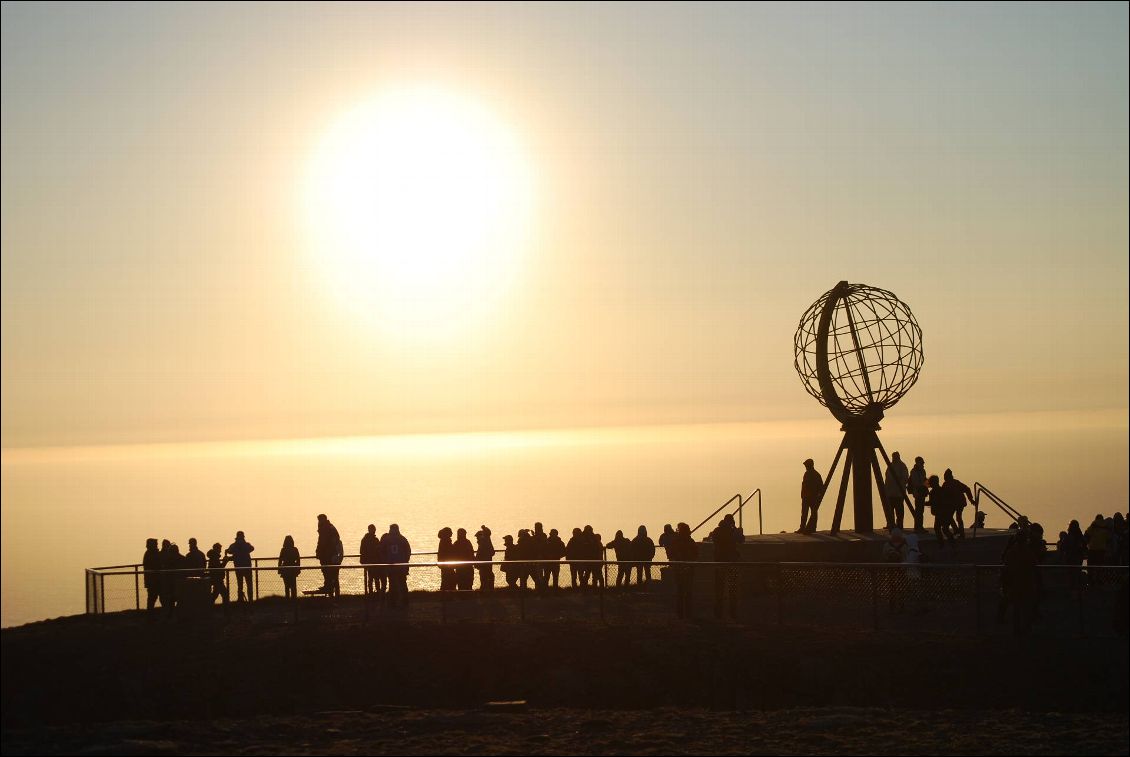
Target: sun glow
[[418, 204]]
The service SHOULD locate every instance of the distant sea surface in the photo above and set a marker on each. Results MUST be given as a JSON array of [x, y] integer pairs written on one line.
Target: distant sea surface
[[65, 509]]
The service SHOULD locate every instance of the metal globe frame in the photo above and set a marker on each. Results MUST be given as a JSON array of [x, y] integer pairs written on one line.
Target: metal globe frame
[[858, 351]]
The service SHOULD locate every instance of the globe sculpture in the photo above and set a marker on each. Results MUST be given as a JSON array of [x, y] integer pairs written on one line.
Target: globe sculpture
[[858, 350]]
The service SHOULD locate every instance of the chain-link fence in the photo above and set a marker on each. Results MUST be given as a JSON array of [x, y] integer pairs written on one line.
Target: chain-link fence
[[952, 599]]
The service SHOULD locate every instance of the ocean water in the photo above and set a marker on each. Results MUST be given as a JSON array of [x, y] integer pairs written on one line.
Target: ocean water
[[68, 509]]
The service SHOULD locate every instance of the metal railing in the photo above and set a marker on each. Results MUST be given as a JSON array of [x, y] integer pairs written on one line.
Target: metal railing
[[937, 598], [742, 502], [1007, 509]]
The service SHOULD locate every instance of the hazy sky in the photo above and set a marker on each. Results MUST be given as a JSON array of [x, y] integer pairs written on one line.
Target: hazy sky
[[701, 175]]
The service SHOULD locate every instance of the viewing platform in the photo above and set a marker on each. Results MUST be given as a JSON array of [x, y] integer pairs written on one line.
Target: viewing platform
[[851, 546]]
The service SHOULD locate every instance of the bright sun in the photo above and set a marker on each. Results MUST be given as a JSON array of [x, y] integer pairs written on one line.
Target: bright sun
[[418, 203]]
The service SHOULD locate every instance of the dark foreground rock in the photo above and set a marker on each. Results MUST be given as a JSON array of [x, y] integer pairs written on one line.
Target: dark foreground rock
[[118, 684]]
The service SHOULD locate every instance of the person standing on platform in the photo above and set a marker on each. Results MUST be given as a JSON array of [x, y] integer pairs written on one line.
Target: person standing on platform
[[681, 549], [958, 495], [894, 491], [151, 565], [725, 538], [943, 513], [329, 553], [463, 551], [240, 551], [643, 551], [916, 486], [622, 547], [216, 563], [811, 492], [397, 552], [555, 550], [194, 559], [289, 560], [370, 555], [485, 554]]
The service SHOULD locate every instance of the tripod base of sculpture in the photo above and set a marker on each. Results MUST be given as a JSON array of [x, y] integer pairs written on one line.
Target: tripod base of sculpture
[[860, 450]]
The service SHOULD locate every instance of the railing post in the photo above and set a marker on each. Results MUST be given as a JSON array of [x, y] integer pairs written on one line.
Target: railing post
[[874, 597], [102, 592], [256, 589], [760, 520], [602, 585], [136, 589]]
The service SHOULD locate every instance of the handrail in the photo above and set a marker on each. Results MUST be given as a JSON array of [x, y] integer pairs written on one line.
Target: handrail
[[721, 507], [760, 520], [661, 563], [1007, 509]]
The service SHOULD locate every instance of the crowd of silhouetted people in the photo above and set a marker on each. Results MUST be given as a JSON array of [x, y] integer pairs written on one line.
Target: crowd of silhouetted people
[[533, 560], [903, 489]]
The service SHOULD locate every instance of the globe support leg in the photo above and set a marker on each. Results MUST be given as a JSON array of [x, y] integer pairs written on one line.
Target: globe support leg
[[860, 443], [842, 497], [861, 464]]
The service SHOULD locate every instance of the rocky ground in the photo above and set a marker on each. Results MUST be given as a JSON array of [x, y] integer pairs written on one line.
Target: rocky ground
[[262, 683]]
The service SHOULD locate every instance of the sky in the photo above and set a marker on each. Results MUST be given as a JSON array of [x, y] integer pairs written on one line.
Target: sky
[[698, 175]]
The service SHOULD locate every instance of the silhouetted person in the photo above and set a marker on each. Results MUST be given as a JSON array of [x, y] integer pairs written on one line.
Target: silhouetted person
[[622, 547], [958, 494], [725, 539], [682, 548], [510, 568], [172, 563], [574, 550], [194, 559], [524, 547], [240, 551], [554, 550], [643, 551], [150, 565], [537, 551], [289, 560], [940, 506], [444, 553], [1020, 581], [916, 486], [665, 539], [216, 563], [462, 550], [370, 555], [1098, 538], [330, 553], [594, 551], [894, 490], [397, 553], [484, 553], [811, 491]]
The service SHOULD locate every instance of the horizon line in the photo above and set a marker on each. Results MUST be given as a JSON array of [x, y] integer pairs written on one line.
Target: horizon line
[[60, 449]]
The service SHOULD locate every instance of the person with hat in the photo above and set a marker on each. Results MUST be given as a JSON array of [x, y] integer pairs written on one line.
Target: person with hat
[[330, 553], [811, 492]]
